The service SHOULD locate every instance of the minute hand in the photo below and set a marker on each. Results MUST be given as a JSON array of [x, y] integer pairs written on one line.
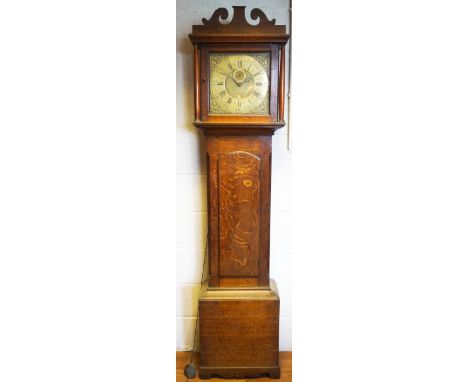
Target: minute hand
[[232, 78]]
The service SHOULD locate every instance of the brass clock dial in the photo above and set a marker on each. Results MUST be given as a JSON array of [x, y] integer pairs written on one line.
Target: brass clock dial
[[239, 83]]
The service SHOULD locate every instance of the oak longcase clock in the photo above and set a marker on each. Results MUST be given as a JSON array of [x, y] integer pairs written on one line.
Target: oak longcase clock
[[239, 71]]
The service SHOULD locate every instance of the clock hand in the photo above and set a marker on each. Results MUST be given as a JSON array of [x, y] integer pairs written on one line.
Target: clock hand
[[246, 81], [238, 83], [232, 78]]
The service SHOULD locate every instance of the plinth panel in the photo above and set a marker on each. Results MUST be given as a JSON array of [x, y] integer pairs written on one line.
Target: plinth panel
[[239, 333]]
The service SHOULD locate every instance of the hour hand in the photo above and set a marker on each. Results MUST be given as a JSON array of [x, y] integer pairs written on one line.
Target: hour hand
[[234, 80]]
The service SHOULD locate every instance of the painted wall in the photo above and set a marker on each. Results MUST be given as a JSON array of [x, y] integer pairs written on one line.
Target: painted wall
[[191, 181]]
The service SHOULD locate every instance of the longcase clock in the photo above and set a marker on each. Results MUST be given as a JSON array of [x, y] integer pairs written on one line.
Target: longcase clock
[[239, 73]]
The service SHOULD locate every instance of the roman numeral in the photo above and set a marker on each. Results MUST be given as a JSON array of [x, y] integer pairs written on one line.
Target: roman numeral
[[256, 94], [221, 72], [258, 84], [222, 94], [229, 65], [239, 103], [229, 100], [239, 64], [256, 74], [220, 83]]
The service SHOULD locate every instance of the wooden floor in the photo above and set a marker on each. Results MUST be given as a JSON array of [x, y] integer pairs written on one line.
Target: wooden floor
[[182, 359]]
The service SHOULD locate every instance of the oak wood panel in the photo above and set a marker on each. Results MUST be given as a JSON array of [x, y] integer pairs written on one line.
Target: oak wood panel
[[281, 84], [238, 232], [213, 216], [196, 71], [239, 213], [239, 337], [239, 24], [182, 358], [239, 29], [244, 282]]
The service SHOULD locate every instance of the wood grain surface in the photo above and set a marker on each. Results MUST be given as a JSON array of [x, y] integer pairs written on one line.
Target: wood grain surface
[[239, 213], [239, 332], [239, 188], [236, 333], [182, 358], [239, 28]]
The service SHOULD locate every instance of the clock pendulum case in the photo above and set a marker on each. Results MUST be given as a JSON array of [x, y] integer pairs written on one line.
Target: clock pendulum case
[[239, 103]]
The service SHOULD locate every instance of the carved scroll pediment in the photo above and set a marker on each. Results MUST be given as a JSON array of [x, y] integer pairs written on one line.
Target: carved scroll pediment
[[239, 25]]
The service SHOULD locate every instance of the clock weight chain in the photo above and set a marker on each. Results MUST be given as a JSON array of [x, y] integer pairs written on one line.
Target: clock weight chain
[[190, 369]]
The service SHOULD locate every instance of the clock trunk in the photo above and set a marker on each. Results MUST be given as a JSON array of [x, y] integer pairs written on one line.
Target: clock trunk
[[239, 182]]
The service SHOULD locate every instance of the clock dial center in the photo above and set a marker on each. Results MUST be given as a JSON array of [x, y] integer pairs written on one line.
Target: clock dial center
[[239, 76], [239, 84]]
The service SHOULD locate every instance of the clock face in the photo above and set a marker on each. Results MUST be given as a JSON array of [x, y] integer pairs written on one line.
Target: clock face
[[240, 83]]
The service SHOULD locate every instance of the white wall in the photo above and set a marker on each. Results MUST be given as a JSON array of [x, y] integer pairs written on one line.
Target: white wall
[[191, 182]]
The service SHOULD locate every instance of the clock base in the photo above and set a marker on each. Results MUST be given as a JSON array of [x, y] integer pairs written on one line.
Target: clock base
[[239, 332], [239, 372]]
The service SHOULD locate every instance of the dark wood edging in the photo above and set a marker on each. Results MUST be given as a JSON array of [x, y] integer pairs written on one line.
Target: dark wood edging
[[222, 128]]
